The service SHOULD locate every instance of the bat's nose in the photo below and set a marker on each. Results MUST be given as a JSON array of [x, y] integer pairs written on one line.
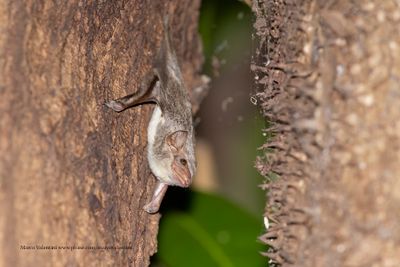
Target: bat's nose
[[185, 183], [184, 180], [182, 175]]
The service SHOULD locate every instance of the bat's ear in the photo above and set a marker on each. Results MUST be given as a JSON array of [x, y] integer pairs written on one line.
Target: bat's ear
[[176, 140]]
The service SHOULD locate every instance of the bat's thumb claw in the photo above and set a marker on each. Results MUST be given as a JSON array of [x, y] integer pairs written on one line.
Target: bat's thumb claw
[[114, 105]]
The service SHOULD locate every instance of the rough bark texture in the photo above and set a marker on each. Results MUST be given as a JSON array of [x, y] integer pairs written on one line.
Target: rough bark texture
[[72, 172], [328, 74]]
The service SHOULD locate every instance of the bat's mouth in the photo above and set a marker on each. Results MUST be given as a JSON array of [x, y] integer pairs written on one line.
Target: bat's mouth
[[181, 175]]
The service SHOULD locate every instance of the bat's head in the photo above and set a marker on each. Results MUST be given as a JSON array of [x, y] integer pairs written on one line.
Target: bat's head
[[170, 150], [182, 159]]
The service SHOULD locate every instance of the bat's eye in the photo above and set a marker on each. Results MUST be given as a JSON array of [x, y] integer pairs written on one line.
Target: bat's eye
[[183, 162]]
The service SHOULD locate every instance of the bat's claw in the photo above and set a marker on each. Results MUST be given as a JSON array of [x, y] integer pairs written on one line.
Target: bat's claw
[[151, 208], [114, 105]]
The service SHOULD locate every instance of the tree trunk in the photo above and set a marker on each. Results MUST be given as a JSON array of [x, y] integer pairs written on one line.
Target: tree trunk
[[73, 173], [329, 79]]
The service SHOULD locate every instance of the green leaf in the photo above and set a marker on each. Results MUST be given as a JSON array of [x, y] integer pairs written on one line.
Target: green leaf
[[214, 232]]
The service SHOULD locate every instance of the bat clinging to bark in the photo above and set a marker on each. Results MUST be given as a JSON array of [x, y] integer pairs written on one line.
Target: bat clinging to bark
[[170, 150]]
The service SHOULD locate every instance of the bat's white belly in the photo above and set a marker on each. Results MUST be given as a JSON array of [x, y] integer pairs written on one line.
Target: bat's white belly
[[152, 128], [157, 166]]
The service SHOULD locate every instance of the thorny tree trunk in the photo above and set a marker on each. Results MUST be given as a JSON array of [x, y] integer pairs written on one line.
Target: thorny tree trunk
[[329, 80], [72, 172]]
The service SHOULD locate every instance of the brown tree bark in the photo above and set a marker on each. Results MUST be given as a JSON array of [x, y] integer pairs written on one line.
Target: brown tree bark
[[72, 172], [329, 80]]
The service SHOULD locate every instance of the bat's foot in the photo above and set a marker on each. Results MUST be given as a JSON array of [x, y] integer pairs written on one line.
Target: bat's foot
[[151, 208], [115, 105]]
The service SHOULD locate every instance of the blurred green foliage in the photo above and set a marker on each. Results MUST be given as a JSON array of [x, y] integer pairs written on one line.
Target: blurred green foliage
[[224, 26], [214, 232]]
